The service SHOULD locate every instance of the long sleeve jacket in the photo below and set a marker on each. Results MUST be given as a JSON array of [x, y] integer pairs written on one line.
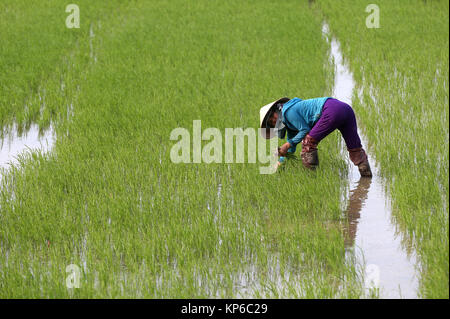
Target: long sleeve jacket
[[299, 116]]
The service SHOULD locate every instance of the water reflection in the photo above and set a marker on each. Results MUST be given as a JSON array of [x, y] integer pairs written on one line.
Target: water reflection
[[358, 197], [16, 141], [370, 234]]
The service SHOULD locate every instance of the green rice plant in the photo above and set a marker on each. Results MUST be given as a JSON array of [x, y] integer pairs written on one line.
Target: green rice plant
[[402, 71], [108, 198]]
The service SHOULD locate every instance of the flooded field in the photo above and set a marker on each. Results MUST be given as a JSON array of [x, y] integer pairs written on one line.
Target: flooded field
[[14, 144], [111, 208], [372, 234], [401, 99]]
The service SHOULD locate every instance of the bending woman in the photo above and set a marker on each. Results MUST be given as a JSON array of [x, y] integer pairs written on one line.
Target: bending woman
[[309, 122]]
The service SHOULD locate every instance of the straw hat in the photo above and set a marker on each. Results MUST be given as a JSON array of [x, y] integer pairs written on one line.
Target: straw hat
[[265, 111]]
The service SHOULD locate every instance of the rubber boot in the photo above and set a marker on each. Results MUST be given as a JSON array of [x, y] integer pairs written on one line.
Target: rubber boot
[[310, 156], [359, 157]]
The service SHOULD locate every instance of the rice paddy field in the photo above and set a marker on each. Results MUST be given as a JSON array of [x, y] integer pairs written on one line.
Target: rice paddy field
[[108, 198]]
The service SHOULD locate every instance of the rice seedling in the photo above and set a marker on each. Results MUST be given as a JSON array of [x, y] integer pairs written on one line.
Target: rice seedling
[[109, 200], [401, 69]]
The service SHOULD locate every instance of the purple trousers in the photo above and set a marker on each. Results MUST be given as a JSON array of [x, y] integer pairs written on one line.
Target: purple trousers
[[337, 115]]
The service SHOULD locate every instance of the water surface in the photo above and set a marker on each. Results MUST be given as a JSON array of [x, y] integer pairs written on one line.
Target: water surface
[[14, 143], [371, 233]]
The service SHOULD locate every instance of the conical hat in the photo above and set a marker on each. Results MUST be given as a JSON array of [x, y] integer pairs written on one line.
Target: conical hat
[[264, 112]]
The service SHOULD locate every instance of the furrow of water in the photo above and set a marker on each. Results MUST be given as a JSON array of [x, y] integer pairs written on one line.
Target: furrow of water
[[371, 234]]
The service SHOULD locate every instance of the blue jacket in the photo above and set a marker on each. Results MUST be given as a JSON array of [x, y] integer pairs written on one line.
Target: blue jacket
[[299, 116]]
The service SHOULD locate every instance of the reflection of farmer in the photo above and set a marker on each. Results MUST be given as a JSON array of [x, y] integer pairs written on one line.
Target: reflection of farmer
[[357, 198], [309, 121]]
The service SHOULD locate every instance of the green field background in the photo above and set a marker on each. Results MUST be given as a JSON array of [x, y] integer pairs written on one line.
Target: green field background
[[109, 199], [403, 66]]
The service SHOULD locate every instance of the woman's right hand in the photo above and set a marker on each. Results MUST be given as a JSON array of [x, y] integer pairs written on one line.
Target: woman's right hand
[[282, 151]]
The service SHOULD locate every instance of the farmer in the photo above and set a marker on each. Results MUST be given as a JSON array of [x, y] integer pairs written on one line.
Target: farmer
[[309, 121]]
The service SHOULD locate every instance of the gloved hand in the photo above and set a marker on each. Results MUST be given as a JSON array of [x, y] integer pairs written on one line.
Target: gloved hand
[[282, 151]]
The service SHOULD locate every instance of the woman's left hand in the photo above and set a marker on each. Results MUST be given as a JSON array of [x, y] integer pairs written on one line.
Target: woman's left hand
[[282, 151]]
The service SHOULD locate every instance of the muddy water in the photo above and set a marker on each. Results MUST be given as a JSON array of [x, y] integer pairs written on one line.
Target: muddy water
[[12, 144], [371, 234]]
